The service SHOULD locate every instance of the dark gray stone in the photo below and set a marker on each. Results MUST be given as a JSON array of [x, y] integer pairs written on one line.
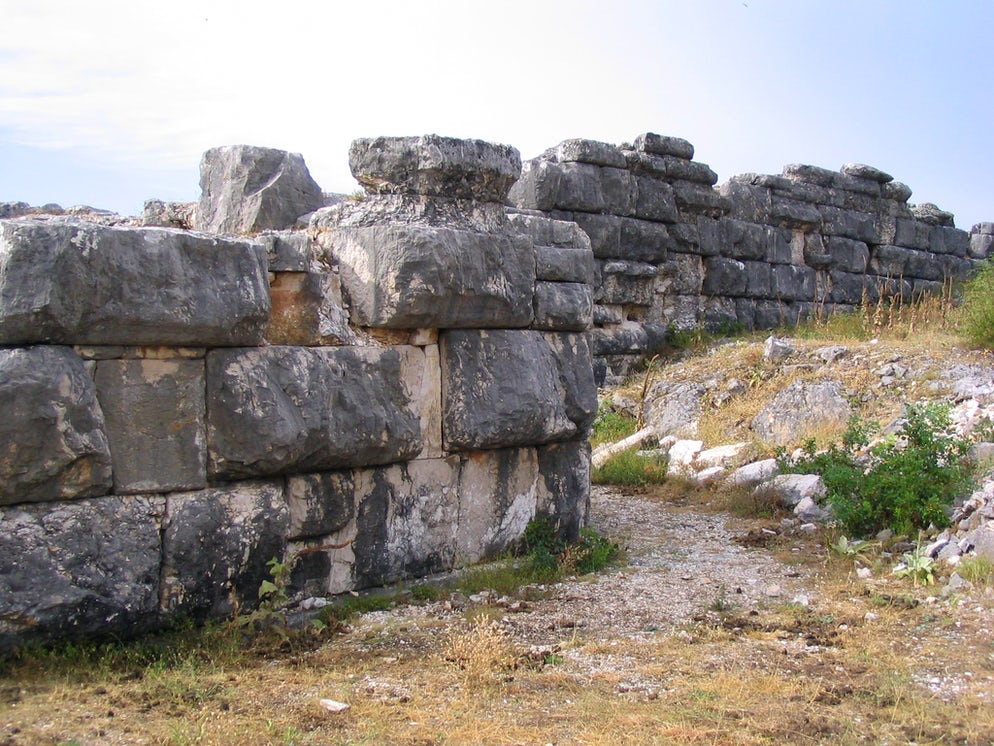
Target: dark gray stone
[[546, 231], [407, 276], [848, 255], [155, 423], [71, 282], [538, 186], [812, 174], [933, 215], [629, 337], [848, 183], [564, 486], [759, 281], [620, 191], [853, 224], [656, 201], [670, 167], [564, 265], [748, 202], [13, 209], [215, 546], [712, 235], [650, 142], [643, 241], [724, 277], [912, 234], [563, 306], [157, 213], [815, 252], [791, 282], [288, 251], [319, 504], [246, 189], [947, 240], [628, 283], [53, 442], [435, 166], [698, 199], [890, 261], [276, 410], [590, 151], [924, 265], [504, 388], [788, 213], [896, 191], [75, 569], [604, 232], [862, 171], [744, 240], [980, 245]]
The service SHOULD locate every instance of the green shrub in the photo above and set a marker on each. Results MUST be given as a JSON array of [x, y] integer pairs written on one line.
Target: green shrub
[[978, 307], [631, 470], [905, 483]]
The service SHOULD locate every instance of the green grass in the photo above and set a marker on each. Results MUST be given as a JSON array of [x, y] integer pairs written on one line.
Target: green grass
[[977, 311], [628, 469], [978, 570], [611, 426]]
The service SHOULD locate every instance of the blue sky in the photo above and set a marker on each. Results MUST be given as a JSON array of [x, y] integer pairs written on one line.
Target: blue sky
[[110, 103]]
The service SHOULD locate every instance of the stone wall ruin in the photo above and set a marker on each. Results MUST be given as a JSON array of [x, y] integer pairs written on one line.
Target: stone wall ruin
[[380, 387]]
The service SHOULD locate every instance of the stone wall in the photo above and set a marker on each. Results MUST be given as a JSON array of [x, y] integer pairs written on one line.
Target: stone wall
[[394, 391], [673, 251]]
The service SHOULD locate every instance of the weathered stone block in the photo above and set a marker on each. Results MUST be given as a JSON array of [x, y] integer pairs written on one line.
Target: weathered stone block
[[811, 174], [683, 274], [319, 504], [604, 232], [793, 283], [748, 201], [946, 240], [788, 213], [744, 240], [620, 191], [563, 306], [435, 166], [276, 410], [912, 234], [538, 186], [66, 281], [564, 265], [53, 441], [71, 569], [498, 493], [670, 168], [407, 276], [801, 410], [724, 277], [859, 226], [215, 546], [288, 251], [407, 521], [848, 255], [154, 411], [629, 337], [862, 171], [980, 245], [924, 265], [627, 283], [590, 151], [550, 232], [656, 200], [698, 199], [890, 261], [758, 280], [307, 309], [650, 142], [643, 241], [581, 187], [712, 236], [564, 486], [245, 189], [503, 388]]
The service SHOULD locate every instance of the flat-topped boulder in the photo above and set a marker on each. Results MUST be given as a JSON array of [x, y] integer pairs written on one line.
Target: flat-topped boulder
[[432, 165]]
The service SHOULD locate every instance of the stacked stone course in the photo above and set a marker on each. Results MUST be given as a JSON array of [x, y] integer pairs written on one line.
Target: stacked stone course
[[674, 252], [396, 390]]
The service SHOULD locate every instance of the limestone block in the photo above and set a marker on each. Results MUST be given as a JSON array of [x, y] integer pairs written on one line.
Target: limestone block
[[932, 214], [801, 410], [538, 186], [791, 282], [564, 486], [407, 276], [724, 277], [66, 281], [670, 167], [815, 253], [683, 274], [276, 410], [643, 241], [154, 411], [215, 546], [564, 265], [788, 213], [503, 388], [244, 189], [650, 142], [862, 171], [890, 261], [656, 200], [407, 520], [620, 191], [946, 240], [582, 188], [498, 496], [848, 255], [546, 231], [627, 283], [319, 504], [699, 199], [896, 191], [854, 224], [590, 151], [53, 441], [604, 232], [912, 234], [847, 287], [71, 569], [811, 174], [859, 185], [924, 265], [435, 166], [674, 408], [768, 314], [759, 279], [288, 251], [748, 201], [980, 245], [744, 240], [629, 337], [307, 309], [156, 213], [563, 306]]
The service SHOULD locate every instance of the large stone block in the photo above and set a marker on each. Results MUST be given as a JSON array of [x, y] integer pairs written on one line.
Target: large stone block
[[748, 201], [505, 388], [724, 277], [643, 241], [590, 151], [215, 546], [604, 232], [407, 276], [66, 281], [155, 423], [498, 496], [670, 167], [627, 283], [53, 441], [698, 199], [848, 255], [650, 142], [435, 166], [308, 310], [683, 274], [71, 569], [564, 486], [407, 521], [793, 283], [619, 189], [563, 306], [278, 410], [564, 265], [244, 189], [860, 226], [538, 186], [552, 232], [656, 201]]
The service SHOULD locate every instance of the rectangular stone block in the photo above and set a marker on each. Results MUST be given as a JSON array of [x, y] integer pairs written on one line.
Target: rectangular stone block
[[924, 265], [155, 415], [564, 486], [853, 224], [620, 191], [215, 546], [319, 504], [498, 494], [73, 569], [724, 277], [626, 283], [559, 232], [848, 255], [53, 438], [604, 232], [980, 245], [288, 251], [698, 199], [71, 282], [946, 240], [749, 202], [890, 261], [590, 151], [308, 310], [912, 234], [538, 186], [789, 213], [744, 240], [580, 187], [683, 274], [655, 201], [279, 410], [406, 276], [643, 241], [759, 279], [563, 306], [793, 283], [504, 388], [564, 264]]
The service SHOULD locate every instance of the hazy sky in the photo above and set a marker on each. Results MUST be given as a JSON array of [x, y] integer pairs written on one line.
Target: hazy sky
[[109, 103]]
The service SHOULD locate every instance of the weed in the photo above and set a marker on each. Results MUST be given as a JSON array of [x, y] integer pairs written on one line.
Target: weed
[[905, 483], [978, 570], [918, 566], [977, 311], [425, 593], [483, 651], [631, 470], [851, 548], [611, 426]]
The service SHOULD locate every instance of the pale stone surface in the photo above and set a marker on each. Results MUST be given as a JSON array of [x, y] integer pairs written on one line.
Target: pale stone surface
[[308, 310], [155, 412], [72, 569], [53, 438], [754, 473], [791, 489], [802, 410], [67, 281]]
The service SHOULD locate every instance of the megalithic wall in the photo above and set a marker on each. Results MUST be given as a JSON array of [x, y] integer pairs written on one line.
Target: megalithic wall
[[396, 390]]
